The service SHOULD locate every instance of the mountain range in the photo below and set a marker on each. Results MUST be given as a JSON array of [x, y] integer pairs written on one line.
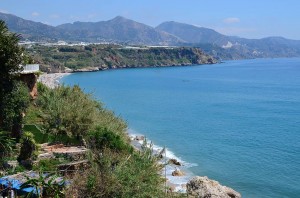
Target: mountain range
[[126, 31]]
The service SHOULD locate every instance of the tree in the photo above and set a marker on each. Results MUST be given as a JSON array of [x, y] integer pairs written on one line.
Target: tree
[[11, 103], [11, 55], [15, 103]]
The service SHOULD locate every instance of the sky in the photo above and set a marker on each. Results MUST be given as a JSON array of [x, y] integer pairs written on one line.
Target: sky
[[244, 18]]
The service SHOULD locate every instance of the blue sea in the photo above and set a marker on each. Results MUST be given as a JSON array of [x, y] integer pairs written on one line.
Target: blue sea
[[237, 122]]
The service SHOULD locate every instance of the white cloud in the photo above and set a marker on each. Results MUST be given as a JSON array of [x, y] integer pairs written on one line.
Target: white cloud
[[231, 20], [35, 14], [4, 11], [54, 16]]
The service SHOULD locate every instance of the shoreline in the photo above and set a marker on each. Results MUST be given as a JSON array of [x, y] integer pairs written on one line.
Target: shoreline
[[175, 183], [52, 80]]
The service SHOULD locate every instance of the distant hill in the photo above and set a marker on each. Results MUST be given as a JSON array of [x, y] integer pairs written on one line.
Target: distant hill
[[118, 29], [29, 29], [193, 34], [126, 31], [229, 47]]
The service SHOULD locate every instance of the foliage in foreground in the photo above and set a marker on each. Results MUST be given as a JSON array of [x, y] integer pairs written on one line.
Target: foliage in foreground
[[14, 97], [69, 111], [15, 104], [28, 151], [45, 185], [6, 144], [116, 170], [120, 173]]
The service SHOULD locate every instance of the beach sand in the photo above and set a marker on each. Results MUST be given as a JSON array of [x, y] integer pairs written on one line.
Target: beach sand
[[51, 80]]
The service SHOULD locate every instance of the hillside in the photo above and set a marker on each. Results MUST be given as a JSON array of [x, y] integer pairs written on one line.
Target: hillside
[[128, 32], [193, 34], [119, 30], [101, 57], [29, 29], [228, 47]]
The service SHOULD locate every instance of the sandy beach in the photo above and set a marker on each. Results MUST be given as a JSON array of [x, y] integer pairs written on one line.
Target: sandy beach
[[51, 80]]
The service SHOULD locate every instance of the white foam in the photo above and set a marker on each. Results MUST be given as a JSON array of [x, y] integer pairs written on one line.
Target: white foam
[[178, 182]]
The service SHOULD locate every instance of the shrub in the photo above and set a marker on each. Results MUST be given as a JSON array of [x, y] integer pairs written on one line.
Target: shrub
[[47, 165], [101, 138], [115, 174], [69, 111], [28, 150]]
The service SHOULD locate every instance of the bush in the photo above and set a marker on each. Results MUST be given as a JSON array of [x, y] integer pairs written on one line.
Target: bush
[[28, 151], [102, 138], [115, 174], [47, 165], [69, 111]]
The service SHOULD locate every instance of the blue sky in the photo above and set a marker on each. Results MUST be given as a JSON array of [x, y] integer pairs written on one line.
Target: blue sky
[[245, 18]]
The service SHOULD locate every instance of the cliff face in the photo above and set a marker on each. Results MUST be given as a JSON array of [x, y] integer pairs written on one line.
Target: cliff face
[[31, 81], [101, 57]]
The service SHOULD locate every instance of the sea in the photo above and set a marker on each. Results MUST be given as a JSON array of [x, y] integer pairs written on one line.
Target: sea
[[237, 122]]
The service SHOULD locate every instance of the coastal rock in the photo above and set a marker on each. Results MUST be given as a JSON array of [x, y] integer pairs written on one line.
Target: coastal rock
[[174, 161], [202, 187], [139, 138], [177, 173]]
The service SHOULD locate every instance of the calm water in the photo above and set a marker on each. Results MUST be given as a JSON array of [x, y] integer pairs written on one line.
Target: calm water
[[238, 121]]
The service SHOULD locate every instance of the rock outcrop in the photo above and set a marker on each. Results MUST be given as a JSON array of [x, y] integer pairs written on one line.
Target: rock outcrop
[[202, 187], [174, 161], [30, 80], [177, 173]]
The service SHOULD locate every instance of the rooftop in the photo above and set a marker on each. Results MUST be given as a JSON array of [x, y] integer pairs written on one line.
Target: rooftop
[[30, 68]]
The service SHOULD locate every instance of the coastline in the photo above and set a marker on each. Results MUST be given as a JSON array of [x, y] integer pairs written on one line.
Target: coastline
[[180, 183], [52, 80], [175, 183]]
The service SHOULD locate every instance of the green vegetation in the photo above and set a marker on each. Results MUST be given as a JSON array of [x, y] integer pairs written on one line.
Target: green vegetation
[[68, 115], [48, 165], [114, 174], [14, 96], [6, 144], [28, 151], [45, 185], [67, 111], [15, 102], [113, 56]]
